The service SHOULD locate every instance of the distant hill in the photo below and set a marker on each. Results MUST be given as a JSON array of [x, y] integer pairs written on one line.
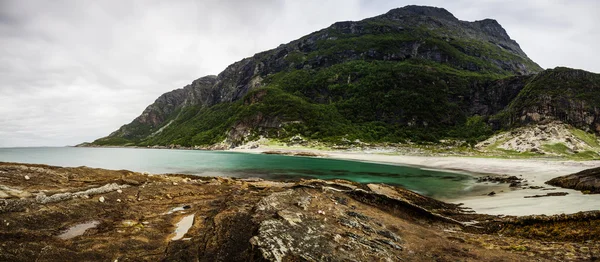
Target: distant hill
[[413, 74]]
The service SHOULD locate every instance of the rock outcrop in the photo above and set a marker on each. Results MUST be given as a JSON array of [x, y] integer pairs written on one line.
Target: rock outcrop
[[259, 220], [554, 138], [560, 94], [587, 181]]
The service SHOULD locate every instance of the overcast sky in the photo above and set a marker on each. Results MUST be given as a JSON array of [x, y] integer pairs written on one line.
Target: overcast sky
[[74, 71]]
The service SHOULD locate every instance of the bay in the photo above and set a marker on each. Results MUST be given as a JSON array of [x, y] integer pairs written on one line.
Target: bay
[[438, 184]]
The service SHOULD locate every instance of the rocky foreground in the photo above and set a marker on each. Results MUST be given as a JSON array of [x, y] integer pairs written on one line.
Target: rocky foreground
[[84, 214]]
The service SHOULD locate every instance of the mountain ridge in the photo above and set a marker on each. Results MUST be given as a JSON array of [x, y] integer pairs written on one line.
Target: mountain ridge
[[415, 73]]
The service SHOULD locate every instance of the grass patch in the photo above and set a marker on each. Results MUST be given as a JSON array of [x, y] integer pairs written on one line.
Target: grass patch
[[558, 148], [587, 155], [586, 137], [497, 143]]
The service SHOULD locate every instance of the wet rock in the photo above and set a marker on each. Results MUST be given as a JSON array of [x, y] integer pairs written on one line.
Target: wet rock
[[549, 195], [500, 179], [294, 153], [491, 193], [587, 180]]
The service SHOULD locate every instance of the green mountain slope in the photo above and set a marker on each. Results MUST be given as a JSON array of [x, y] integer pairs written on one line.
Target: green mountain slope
[[564, 94], [414, 73]]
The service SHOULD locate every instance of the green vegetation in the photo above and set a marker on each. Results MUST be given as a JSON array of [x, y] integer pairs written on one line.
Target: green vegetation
[[588, 138], [471, 55], [374, 101], [113, 141], [563, 150], [379, 80], [586, 155], [563, 88], [558, 148], [196, 125]]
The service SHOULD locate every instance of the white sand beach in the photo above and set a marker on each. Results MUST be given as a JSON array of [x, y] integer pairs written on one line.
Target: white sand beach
[[508, 202]]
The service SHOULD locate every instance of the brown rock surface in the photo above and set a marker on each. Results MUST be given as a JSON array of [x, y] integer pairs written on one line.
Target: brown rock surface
[[56, 215], [587, 181]]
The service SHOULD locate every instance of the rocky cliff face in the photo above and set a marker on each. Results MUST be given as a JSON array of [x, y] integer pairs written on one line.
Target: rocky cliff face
[[563, 94], [489, 98], [438, 18], [156, 114]]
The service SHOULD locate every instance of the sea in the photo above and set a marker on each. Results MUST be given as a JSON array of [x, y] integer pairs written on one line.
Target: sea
[[433, 183]]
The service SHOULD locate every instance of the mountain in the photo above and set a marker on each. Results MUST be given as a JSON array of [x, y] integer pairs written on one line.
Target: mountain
[[413, 74]]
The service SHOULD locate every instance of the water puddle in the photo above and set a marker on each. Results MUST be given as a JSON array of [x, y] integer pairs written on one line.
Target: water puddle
[[77, 230], [183, 226], [177, 209]]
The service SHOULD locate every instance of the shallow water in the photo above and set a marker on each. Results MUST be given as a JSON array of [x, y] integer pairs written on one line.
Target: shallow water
[[183, 226], [77, 230], [433, 183]]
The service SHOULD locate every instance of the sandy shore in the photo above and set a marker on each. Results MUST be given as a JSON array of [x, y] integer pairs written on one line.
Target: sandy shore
[[509, 202]]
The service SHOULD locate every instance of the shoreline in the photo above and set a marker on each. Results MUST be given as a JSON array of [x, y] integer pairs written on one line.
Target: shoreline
[[506, 201], [510, 201]]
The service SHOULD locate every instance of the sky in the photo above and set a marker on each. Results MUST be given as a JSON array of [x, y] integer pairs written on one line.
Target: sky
[[74, 71]]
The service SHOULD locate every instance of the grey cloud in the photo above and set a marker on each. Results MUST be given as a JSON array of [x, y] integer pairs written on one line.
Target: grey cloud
[[72, 71]]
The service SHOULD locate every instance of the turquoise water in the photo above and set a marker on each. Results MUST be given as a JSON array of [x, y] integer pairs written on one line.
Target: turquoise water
[[215, 163]]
